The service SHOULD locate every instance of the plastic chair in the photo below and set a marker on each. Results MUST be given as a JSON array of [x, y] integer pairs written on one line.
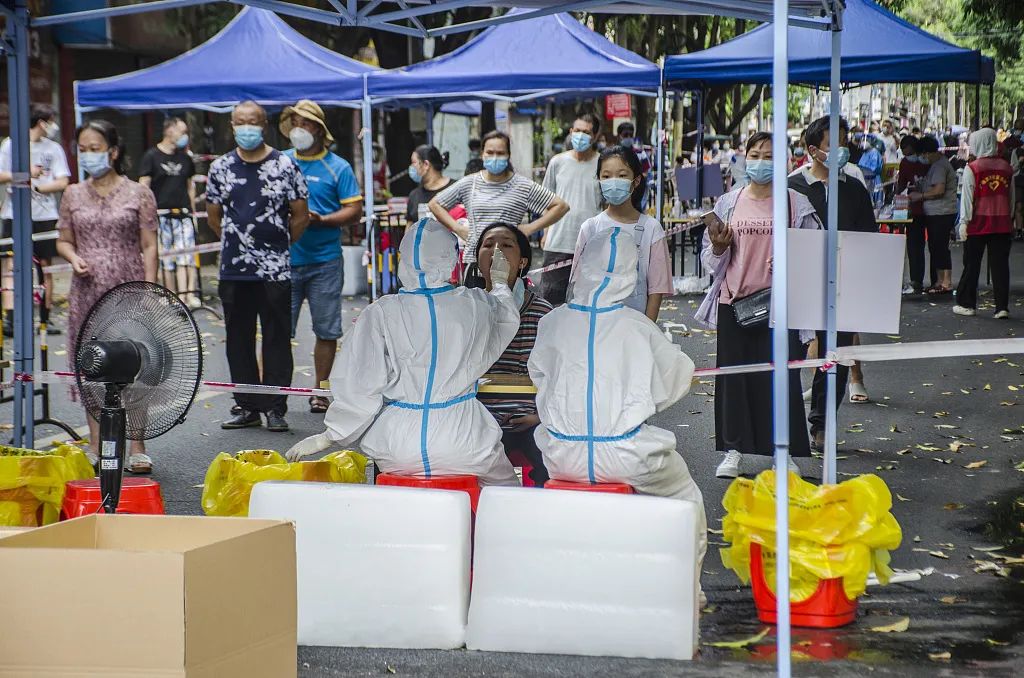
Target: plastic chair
[[138, 495], [468, 484], [609, 488]]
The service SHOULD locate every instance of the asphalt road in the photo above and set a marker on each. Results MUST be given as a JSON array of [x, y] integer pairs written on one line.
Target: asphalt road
[[918, 409]]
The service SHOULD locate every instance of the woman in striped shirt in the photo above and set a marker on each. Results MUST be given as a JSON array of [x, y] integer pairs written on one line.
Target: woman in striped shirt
[[516, 416], [496, 195]]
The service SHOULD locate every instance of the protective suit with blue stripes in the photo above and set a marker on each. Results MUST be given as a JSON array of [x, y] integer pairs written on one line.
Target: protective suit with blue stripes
[[602, 370], [404, 385]]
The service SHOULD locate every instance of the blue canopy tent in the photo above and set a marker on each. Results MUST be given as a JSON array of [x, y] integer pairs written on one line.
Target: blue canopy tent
[[223, 71], [553, 54], [877, 46], [469, 109]]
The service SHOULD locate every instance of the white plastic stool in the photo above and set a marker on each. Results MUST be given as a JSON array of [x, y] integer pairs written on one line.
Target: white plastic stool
[[559, 572], [377, 566]]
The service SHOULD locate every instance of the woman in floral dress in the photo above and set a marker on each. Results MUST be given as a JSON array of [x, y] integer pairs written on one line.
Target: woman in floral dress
[[108, 227]]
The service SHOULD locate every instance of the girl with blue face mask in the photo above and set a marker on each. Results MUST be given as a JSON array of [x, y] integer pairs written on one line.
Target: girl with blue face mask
[[622, 181], [425, 167]]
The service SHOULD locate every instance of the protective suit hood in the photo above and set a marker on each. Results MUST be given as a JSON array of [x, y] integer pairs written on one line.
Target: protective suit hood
[[428, 255], [607, 269], [984, 143]]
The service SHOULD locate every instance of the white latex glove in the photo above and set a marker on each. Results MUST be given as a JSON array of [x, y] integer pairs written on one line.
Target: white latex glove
[[308, 446], [961, 232], [499, 268]]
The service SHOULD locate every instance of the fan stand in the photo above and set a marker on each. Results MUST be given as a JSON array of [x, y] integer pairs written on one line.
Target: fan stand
[[112, 447]]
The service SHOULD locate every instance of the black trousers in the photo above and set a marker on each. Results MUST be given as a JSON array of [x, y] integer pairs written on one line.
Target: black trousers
[[525, 443], [915, 251], [554, 284], [743, 402], [819, 395], [271, 302], [940, 228], [998, 246]]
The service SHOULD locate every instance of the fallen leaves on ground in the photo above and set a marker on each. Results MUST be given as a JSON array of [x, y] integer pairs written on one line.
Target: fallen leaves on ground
[[938, 554], [940, 656], [949, 600], [901, 497], [737, 644], [976, 464], [953, 506], [899, 626]]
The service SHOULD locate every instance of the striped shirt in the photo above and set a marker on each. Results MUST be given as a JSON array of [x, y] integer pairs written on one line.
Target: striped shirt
[[490, 203], [514, 359]]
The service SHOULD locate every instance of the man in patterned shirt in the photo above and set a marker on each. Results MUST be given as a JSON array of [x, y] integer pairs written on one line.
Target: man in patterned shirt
[[256, 201]]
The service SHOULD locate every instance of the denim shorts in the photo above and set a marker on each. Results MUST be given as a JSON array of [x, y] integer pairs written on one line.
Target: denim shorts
[[321, 285]]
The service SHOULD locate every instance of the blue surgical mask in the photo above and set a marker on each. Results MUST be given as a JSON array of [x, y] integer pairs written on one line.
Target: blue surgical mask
[[580, 142], [911, 158], [248, 137], [414, 174], [95, 164], [626, 142], [842, 156], [182, 141], [616, 191], [519, 292], [496, 165], [760, 171]]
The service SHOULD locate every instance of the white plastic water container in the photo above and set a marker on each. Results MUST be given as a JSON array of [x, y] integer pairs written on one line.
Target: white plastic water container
[[355, 272], [376, 566], [563, 572]]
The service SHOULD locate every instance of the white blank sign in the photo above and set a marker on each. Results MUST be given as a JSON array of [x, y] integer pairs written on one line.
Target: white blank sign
[[870, 281]]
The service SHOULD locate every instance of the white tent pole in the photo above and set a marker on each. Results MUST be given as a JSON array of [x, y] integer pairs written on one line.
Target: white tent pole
[[660, 153], [21, 205], [78, 123], [832, 250], [780, 334], [371, 225]]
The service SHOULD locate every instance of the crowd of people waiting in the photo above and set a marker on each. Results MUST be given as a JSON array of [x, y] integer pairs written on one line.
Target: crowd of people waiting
[[404, 384]]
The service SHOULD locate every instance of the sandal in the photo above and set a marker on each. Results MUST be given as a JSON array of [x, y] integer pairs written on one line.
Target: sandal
[[858, 394], [140, 463], [318, 404], [936, 289]]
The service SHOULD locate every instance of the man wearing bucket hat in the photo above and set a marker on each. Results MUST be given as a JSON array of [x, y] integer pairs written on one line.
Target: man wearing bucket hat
[[334, 202]]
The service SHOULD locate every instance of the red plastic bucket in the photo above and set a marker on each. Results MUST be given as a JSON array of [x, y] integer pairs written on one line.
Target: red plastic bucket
[[828, 607]]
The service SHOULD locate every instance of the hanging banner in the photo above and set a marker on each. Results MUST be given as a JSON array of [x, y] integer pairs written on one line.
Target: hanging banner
[[618, 106]]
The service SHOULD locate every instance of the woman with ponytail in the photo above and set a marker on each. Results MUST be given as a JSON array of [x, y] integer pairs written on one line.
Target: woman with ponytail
[[622, 187]]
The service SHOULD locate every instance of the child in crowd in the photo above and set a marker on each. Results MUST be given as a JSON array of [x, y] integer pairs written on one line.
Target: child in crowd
[[622, 187]]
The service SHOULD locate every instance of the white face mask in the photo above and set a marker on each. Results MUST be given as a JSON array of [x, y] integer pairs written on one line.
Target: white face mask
[[301, 139], [52, 131]]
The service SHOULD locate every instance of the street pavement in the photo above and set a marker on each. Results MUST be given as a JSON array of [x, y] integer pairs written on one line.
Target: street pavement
[[927, 421]]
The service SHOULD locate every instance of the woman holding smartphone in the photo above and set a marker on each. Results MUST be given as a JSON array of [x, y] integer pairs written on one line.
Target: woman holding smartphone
[[738, 252]]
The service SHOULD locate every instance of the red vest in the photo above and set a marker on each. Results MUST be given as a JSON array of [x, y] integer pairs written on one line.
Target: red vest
[[992, 177]]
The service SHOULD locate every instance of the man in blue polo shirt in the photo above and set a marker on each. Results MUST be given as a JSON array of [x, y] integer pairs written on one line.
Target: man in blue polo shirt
[[334, 202]]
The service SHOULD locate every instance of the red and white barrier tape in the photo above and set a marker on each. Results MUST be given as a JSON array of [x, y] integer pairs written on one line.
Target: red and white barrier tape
[[842, 356], [169, 254]]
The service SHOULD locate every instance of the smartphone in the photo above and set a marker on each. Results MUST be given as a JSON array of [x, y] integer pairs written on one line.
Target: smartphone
[[712, 221]]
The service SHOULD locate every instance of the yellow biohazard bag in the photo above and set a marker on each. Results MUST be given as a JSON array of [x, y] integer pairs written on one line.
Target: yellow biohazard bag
[[32, 483], [229, 479], [844, 530]]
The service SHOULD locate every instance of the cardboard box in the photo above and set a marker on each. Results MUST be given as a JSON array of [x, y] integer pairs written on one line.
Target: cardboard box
[[135, 595], [7, 531]]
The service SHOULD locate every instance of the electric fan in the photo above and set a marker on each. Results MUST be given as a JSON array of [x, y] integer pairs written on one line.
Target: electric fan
[[138, 364]]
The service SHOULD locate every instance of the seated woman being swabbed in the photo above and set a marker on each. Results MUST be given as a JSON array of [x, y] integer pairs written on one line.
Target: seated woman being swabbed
[[404, 385], [517, 416], [602, 370]]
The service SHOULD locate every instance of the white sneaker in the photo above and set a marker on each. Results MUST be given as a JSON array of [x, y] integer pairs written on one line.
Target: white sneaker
[[807, 395], [1001, 315], [909, 289], [963, 310], [730, 466], [194, 302]]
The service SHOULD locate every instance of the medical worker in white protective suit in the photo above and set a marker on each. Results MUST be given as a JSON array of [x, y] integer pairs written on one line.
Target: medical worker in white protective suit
[[601, 370], [404, 386]]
